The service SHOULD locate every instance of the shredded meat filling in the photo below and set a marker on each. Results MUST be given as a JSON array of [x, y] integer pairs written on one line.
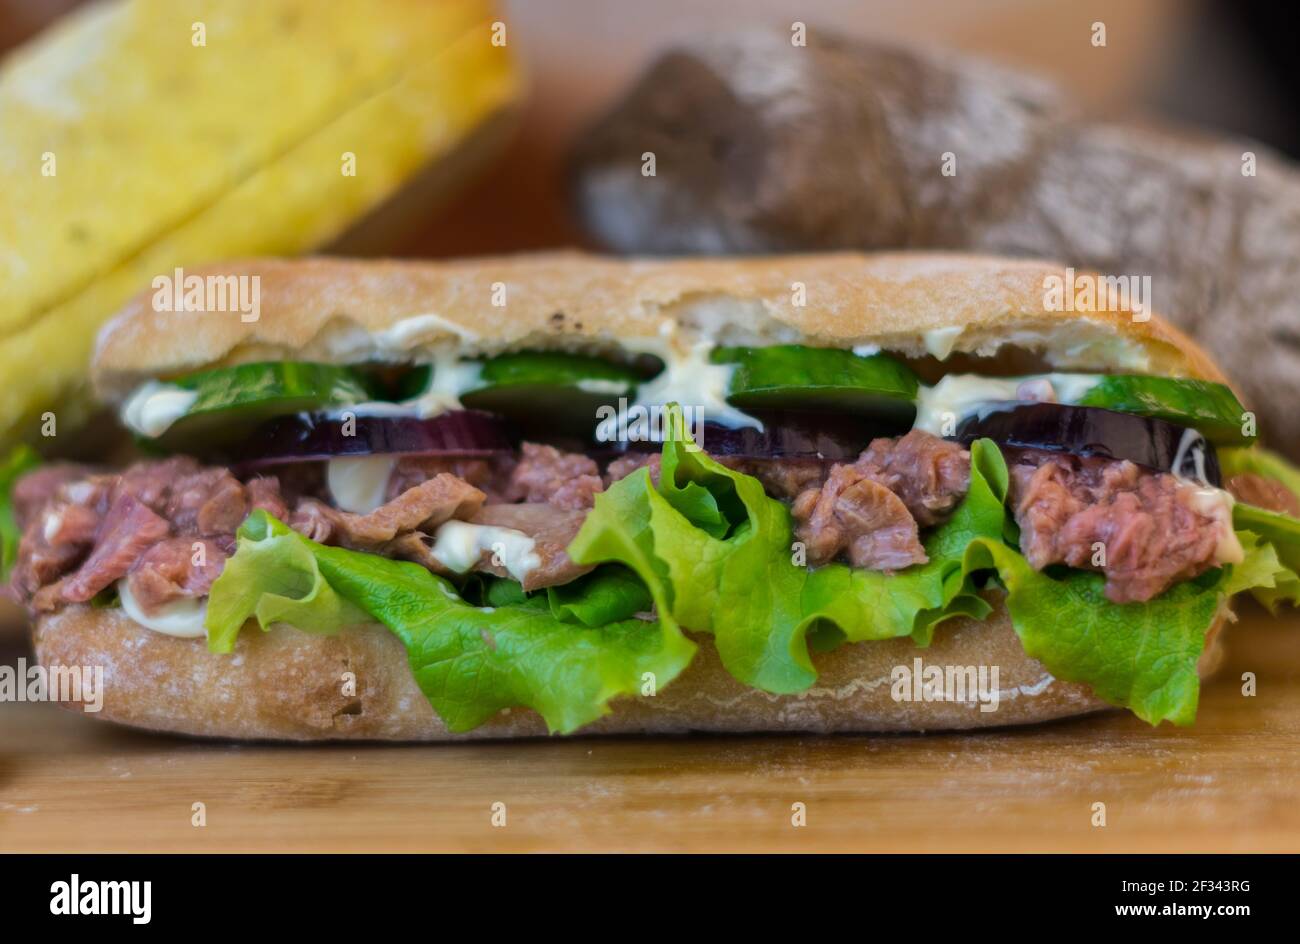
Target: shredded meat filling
[[167, 527], [852, 513], [1264, 492], [175, 568], [873, 509], [1137, 527], [421, 507], [563, 479], [931, 475]]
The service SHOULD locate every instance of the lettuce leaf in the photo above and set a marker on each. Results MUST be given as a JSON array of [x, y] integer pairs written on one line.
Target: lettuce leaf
[[274, 577], [1280, 530], [716, 554], [1260, 461], [20, 461], [1141, 656], [470, 662], [1269, 571], [708, 549], [1262, 567], [606, 595]]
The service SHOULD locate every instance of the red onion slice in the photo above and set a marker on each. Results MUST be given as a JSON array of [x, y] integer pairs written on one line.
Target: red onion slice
[[308, 437], [787, 434], [1092, 431]]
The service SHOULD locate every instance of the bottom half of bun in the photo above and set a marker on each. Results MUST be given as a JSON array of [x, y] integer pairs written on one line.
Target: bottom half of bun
[[290, 685]]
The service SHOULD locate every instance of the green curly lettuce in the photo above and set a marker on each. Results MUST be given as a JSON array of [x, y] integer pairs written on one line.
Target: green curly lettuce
[[1141, 656], [1265, 572], [20, 461], [716, 554], [1279, 530], [1138, 655], [274, 577], [470, 662], [606, 595], [706, 548]]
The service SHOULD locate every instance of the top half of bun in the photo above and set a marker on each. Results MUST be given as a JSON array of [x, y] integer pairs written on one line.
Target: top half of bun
[[348, 311]]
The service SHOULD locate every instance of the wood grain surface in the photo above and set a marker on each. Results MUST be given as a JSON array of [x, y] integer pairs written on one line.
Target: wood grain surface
[[1232, 782]]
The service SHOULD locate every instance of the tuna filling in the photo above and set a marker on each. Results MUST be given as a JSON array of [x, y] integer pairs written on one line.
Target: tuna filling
[[166, 527]]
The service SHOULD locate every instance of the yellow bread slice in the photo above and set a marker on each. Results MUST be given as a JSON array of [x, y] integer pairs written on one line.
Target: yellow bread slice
[[170, 154]]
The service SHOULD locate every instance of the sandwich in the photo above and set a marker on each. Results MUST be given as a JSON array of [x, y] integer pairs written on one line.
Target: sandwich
[[562, 493]]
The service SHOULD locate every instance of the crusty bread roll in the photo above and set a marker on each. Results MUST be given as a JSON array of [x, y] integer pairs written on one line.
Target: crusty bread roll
[[287, 684], [348, 311]]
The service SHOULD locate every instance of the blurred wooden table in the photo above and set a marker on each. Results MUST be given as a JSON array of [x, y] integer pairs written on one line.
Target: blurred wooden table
[[1230, 783]]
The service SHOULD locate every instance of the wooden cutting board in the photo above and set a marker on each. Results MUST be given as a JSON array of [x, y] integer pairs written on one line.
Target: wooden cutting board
[[1232, 782]]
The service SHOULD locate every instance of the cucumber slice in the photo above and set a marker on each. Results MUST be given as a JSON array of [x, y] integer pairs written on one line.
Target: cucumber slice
[[1210, 408], [794, 377], [551, 390], [556, 369], [230, 401]]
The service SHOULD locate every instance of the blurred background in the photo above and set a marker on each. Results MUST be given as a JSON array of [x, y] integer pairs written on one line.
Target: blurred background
[[1227, 66]]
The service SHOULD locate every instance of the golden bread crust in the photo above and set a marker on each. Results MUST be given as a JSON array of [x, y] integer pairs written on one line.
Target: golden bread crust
[[290, 685], [343, 311]]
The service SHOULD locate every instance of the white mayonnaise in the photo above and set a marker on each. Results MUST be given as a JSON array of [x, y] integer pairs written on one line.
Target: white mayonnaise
[[358, 483], [1070, 388], [940, 341], [399, 335], [155, 406], [458, 546], [451, 378], [688, 378], [1073, 345], [182, 618], [79, 492], [1193, 443], [53, 521], [938, 407], [1216, 503], [613, 388], [957, 395], [370, 408], [1205, 499]]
